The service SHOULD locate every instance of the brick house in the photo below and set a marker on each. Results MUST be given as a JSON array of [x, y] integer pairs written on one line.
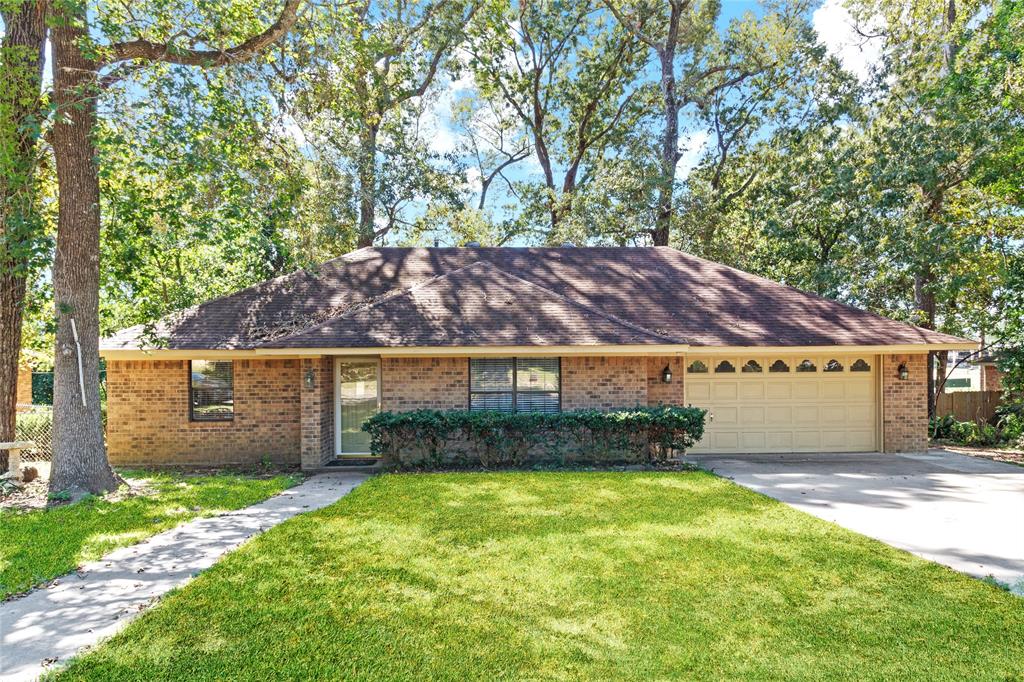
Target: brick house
[[288, 370]]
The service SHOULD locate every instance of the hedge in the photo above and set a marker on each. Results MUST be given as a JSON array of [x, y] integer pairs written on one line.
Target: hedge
[[435, 438]]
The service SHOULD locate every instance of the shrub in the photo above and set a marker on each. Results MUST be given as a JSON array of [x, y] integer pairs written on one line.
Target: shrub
[[976, 433], [432, 438]]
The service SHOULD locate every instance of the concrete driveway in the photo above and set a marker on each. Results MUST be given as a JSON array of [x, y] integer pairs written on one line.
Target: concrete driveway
[[964, 512]]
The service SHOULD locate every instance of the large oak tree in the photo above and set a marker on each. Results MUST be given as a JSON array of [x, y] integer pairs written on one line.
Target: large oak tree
[[83, 62]]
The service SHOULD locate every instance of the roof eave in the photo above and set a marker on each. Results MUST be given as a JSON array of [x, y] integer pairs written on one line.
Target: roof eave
[[561, 350]]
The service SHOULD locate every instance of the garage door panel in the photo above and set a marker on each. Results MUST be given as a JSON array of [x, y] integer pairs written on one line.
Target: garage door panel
[[859, 390], [860, 414], [726, 440], [833, 390], [726, 415], [752, 440], [833, 440], [698, 392], [805, 414], [805, 390], [751, 416], [860, 441], [779, 415], [787, 412], [807, 440], [752, 391], [833, 414], [724, 390], [779, 441]]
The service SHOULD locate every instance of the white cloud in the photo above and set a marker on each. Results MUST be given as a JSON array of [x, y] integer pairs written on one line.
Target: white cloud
[[693, 148], [835, 27], [474, 181]]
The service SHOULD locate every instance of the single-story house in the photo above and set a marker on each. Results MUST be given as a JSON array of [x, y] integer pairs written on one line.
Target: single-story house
[[290, 368]]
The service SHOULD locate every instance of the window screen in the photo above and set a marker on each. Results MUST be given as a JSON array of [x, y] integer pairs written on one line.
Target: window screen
[[211, 390], [514, 384]]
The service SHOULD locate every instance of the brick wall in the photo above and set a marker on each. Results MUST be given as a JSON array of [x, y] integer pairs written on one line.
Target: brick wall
[[424, 383], [24, 386], [905, 403], [991, 378], [660, 393], [603, 382], [148, 415], [317, 412]]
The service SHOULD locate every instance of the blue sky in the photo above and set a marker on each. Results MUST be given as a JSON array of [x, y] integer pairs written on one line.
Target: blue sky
[[829, 18]]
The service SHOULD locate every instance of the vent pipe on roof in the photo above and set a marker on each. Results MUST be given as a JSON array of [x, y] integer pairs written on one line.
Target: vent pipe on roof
[[473, 245]]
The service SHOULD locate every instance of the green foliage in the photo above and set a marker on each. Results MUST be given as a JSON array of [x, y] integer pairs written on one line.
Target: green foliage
[[42, 388], [1008, 429], [33, 422], [433, 438]]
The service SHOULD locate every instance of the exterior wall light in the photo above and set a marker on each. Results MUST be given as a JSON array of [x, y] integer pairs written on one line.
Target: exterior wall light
[[310, 378], [666, 375], [903, 373]]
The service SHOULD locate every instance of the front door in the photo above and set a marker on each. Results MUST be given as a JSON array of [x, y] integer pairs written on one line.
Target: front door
[[356, 398]]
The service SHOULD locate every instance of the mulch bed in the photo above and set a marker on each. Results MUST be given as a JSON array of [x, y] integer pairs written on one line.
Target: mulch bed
[[1009, 455]]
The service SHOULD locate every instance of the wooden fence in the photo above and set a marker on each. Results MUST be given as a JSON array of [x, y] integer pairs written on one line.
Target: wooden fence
[[968, 405]]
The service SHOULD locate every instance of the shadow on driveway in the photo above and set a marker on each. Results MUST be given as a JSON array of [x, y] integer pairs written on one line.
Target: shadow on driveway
[[956, 510]]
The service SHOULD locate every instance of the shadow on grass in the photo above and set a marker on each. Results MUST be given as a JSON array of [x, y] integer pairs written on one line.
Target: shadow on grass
[[39, 545], [568, 576]]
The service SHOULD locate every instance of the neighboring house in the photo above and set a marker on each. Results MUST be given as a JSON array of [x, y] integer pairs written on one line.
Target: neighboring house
[[966, 376], [289, 369]]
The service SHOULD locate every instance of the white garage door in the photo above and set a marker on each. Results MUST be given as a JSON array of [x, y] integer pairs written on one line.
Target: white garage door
[[785, 404]]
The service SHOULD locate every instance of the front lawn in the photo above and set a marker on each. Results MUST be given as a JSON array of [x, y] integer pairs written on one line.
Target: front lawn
[[568, 576], [41, 544]]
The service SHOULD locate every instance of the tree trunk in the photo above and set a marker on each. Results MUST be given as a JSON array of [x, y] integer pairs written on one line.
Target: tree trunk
[[669, 144], [367, 185], [21, 62], [79, 454], [924, 300]]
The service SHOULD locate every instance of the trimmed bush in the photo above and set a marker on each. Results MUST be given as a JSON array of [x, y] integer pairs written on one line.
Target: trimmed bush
[[435, 438]]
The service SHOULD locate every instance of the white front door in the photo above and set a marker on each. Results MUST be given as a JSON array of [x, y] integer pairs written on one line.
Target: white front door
[[356, 398], [762, 404]]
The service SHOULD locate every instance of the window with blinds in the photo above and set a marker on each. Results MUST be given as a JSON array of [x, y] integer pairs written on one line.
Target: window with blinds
[[515, 384], [211, 390]]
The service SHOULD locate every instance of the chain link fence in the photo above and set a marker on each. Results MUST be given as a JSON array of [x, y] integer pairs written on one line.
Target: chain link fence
[[36, 424]]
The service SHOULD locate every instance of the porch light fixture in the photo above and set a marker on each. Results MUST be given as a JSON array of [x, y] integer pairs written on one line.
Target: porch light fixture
[[902, 372], [310, 378], [666, 375]]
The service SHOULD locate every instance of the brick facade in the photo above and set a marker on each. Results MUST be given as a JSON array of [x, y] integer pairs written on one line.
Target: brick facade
[[991, 378], [424, 383], [24, 386], [148, 415], [905, 403], [317, 412], [279, 416], [603, 382], [660, 393]]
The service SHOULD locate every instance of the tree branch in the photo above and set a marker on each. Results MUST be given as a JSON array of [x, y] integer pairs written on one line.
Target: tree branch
[[172, 54]]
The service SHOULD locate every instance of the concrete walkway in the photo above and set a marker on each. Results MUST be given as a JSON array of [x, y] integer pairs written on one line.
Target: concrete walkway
[[961, 511], [50, 625]]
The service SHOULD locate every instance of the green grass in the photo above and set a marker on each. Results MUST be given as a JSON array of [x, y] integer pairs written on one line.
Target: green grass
[[567, 576], [38, 545]]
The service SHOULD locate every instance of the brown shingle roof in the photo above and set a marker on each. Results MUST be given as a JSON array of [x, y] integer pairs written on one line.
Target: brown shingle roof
[[392, 297]]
